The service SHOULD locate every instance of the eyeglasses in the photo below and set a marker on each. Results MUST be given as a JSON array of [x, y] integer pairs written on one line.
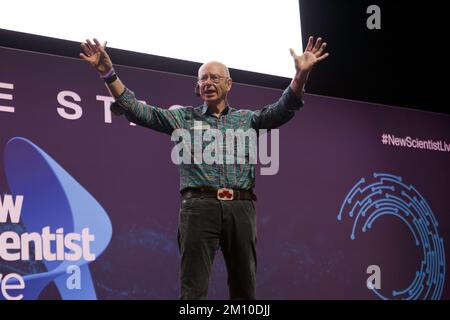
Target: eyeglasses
[[215, 78]]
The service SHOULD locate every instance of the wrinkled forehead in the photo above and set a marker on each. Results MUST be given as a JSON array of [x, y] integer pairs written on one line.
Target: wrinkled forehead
[[214, 67]]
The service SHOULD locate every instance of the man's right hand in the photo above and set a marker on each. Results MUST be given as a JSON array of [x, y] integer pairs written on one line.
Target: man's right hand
[[96, 55]]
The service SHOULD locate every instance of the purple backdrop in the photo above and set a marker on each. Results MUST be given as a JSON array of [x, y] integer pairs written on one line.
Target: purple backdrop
[[304, 251]]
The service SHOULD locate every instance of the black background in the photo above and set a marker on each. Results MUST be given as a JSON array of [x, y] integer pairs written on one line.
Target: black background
[[402, 64]]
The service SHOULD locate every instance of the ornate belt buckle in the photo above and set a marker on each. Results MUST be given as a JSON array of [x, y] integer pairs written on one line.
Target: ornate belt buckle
[[225, 194]]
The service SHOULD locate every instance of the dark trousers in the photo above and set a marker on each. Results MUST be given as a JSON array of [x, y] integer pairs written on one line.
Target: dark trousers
[[206, 225]]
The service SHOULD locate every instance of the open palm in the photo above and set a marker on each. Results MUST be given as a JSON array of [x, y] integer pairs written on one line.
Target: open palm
[[313, 54], [96, 55]]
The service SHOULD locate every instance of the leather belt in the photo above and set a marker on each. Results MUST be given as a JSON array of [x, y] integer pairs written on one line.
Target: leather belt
[[223, 194]]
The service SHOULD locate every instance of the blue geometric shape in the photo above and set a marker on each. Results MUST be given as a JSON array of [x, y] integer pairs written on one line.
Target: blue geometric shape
[[52, 197], [394, 198]]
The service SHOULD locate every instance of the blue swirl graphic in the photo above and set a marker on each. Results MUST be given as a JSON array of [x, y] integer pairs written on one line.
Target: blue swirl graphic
[[388, 195], [54, 198]]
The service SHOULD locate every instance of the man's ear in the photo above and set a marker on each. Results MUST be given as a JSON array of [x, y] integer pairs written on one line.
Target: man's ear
[[229, 84], [197, 90]]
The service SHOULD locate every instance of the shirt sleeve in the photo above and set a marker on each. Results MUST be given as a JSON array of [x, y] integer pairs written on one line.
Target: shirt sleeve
[[278, 113], [159, 119]]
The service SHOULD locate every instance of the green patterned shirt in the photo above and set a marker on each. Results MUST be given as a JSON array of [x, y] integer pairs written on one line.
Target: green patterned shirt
[[234, 175]]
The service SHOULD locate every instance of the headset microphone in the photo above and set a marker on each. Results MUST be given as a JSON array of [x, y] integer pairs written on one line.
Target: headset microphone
[[197, 90]]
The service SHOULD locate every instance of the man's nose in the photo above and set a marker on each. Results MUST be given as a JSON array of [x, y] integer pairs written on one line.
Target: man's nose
[[207, 85]]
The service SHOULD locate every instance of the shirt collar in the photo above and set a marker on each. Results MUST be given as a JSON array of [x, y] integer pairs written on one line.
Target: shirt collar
[[205, 109]]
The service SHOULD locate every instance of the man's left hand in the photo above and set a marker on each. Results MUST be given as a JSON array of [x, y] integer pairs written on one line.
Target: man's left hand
[[313, 54]]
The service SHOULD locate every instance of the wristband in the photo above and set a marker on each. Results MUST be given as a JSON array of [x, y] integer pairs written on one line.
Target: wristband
[[108, 74], [111, 79]]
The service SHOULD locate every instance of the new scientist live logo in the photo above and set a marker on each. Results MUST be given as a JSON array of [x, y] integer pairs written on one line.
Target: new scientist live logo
[[14, 247], [64, 227]]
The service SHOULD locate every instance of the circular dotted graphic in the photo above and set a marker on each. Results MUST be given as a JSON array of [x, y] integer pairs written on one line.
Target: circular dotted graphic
[[388, 195]]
